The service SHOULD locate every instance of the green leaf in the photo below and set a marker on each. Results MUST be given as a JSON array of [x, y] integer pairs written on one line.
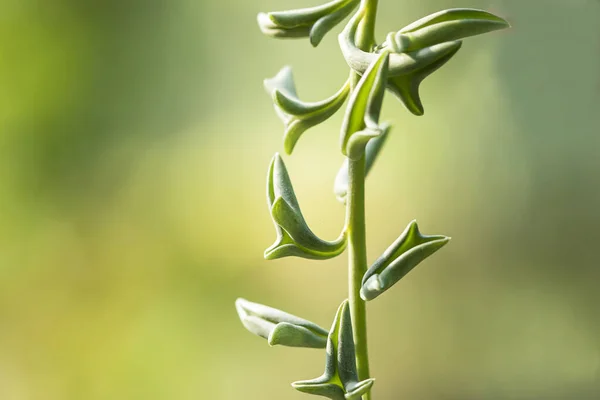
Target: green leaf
[[280, 328], [297, 115], [372, 150], [445, 26], [399, 259], [361, 121], [418, 49], [294, 237], [339, 381], [399, 63], [312, 22], [406, 87]]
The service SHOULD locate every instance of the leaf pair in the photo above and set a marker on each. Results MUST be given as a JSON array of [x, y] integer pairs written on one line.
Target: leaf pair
[[340, 379], [419, 49], [294, 237], [399, 259], [297, 115], [280, 328], [312, 22]]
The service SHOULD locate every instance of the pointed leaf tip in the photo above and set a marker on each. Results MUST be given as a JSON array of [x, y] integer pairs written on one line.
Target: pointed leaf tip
[[279, 327], [410, 249], [294, 237]]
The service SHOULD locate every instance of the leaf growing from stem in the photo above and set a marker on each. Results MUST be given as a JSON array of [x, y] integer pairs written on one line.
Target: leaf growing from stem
[[444, 26], [399, 259], [340, 187], [297, 115], [294, 237], [361, 121], [280, 328], [340, 380], [312, 22]]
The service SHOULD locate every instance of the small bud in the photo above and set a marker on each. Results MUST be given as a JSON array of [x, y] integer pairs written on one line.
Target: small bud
[[312, 22], [399, 259], [280, 328], [298, 116], [294, 237], [340, 380]]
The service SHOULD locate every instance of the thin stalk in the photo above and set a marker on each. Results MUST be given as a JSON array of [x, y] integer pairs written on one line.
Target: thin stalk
[[357, 265], [355, 220], [365, 39]]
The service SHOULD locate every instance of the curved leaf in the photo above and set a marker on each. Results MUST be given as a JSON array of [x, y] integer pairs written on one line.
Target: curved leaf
[[278, 327], [361, 120], [406, 87], [297, 115], [447, 25], [399, 259], [399, 63], [294, 237], [339, 381], [312, 22]]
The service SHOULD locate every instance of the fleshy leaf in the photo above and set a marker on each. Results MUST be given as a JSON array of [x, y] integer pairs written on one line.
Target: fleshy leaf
[[406, 87], [399, 259], [445, 26], [339, 381], [399, 63], [361, 121], [297, 115], [312, 22], [419, 49], [280, 328], [340, 187], [294, 237]]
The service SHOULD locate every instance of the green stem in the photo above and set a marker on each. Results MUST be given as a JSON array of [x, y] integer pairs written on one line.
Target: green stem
[[357, 265], [355, 214], [365, 39]]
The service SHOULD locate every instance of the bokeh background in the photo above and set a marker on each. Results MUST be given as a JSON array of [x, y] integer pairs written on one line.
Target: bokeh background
[[134, 142]]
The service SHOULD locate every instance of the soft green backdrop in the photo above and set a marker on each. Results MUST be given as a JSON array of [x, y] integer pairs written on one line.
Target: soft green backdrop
[[134, 142]]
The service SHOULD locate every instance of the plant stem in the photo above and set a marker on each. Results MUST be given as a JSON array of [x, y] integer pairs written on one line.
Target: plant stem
[[355, 214], [357, 265], [365, 39]]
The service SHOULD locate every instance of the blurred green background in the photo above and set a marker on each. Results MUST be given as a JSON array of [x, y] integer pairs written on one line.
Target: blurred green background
[[134, 142]]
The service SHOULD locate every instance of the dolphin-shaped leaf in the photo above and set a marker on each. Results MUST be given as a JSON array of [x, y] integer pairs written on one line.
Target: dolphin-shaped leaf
[[399, 63], [399, 259], [311, 22], [297, 115], [340, 380], [280, 328], [294, 237], [361, 121], [445, 26], [419, 49]]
